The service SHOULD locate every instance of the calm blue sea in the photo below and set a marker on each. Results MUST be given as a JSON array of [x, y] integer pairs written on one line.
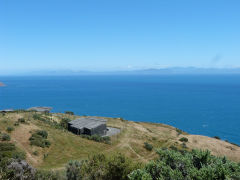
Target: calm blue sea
[[206, 105]]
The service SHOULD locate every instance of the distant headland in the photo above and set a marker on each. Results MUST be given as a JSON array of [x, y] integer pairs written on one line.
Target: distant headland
[[1, 84]]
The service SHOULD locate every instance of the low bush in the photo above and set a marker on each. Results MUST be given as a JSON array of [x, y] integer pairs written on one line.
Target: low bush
[[35, 153], [42, 133], [183, 139], [197, 164], [5, 137], [47, 120], [38, 117], [21, 120], [97, 138], [8, 150], [9, 129], [16, 124], [49, 175], [101, 167], [216, 137], [148, 146], [184, 145], [39, 138], [64, 122], [69, 112], [179, 131]]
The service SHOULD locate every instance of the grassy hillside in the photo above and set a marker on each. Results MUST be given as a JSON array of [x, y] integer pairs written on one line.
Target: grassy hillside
[[66, 146]]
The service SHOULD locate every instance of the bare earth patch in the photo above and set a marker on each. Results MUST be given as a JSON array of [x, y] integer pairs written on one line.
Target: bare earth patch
[[20, 136]]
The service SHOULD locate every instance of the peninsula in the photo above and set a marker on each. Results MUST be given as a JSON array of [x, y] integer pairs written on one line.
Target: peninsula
[[1, 84]]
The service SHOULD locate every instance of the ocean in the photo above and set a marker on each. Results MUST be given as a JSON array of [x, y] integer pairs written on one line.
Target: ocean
[[198, 104]]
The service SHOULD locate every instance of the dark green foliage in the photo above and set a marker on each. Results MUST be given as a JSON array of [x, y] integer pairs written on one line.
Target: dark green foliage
[[39, 138], [184, 145], [197, 165], [216, 137], [9, 129], [35, 153], [5, 137], [16, 124], [154, 138], [122, 119], [38, 117], [148, 146], [232, 143], [183, 139], [64, 122], [48, 175], [47, 120], [69, 112], [100, 167], [42, 133], [21, 120], [8, 152], [97, 138], [179, 131], [173, 148]]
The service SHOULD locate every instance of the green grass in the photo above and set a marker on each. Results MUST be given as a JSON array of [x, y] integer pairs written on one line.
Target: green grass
[[66, 146]]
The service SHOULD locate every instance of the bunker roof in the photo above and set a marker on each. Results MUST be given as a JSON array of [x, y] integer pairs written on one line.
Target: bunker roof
[[87, 122]]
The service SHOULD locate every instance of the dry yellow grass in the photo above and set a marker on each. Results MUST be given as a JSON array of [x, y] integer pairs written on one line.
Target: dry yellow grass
[[66, 146]]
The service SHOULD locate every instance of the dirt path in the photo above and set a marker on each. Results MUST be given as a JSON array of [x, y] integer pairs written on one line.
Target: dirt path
[[21, 136]]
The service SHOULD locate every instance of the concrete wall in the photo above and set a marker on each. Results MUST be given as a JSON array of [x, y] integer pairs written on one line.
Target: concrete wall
[[100, 130]]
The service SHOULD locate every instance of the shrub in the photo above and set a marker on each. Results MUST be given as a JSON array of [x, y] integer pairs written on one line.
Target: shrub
[[42, 133], [35, 153], [5, 137], [19, 169], [199, 165], [97, 138], [154, 138], [172, 147], [184, 145], [9, 129], [39, 138], [148, 146], [64, 122], [16, 124], [69, 112], [183, 139], [216, 137], [100, 167], [48, 175], [21, 120], [7, 147], [179, 131], [122, 119], [8, 150]]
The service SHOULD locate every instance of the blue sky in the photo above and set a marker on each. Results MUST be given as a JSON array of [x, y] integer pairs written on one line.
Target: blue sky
[[118, 34]]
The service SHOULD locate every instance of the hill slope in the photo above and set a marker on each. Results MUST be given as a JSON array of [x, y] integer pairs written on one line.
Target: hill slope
[[66, 146]]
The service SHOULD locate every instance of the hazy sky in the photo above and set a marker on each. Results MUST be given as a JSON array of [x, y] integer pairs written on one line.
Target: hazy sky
[[118, 34]]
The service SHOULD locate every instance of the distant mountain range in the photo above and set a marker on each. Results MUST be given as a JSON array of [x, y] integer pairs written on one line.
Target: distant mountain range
[[152, 71], [189, 70]]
